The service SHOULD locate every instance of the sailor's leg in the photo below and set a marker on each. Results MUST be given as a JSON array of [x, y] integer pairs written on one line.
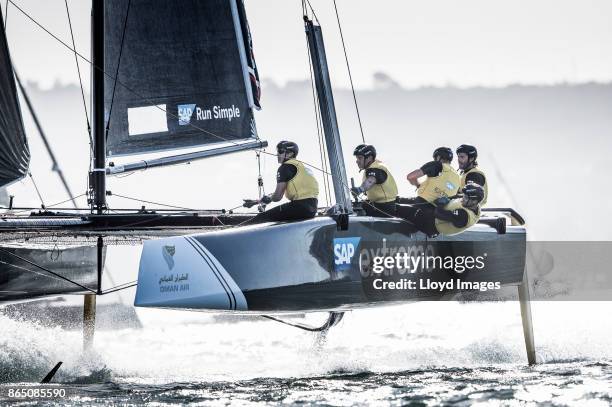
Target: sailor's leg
[[406, 201], [380, 210], [407, 212], [294, 210], [276, 214], [524, 299], [425, 221]]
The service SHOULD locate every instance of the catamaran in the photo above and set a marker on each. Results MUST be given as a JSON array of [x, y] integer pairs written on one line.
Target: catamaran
[[170, 75]]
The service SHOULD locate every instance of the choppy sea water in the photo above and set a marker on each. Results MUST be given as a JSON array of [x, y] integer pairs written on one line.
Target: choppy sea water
[[420, 354]]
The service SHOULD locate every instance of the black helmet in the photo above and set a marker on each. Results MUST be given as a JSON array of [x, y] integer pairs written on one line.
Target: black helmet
[[365, 150], [469, 150], [443, 152], [289, 146], [473, 191]]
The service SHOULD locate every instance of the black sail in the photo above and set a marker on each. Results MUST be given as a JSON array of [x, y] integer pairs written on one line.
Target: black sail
[[184, 77], [14, 150]]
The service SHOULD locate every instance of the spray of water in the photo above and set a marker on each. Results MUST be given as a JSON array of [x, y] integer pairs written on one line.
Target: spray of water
[[177, 346]]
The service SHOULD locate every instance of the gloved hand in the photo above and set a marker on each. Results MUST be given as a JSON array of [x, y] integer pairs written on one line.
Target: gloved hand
[[265, 199], [441, 202], [356, 191], [249, 203]]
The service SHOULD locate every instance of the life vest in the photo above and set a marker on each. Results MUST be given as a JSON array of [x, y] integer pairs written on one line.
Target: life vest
[[445, 184], [447, 228], [485, 187], [385, 192], [304, 185]]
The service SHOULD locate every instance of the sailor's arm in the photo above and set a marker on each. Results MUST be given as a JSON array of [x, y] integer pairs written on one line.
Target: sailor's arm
[[285, 173], [279, 191], [414, 176], [373, 176], [368, 183], [431, 169]]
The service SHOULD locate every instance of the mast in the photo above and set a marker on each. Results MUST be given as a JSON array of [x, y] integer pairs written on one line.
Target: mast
[[328, 114], [98, 176]]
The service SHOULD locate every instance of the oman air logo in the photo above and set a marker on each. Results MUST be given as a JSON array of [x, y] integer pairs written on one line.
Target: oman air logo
[[344, 250], [168, 254], [450, 186], [184, 113]]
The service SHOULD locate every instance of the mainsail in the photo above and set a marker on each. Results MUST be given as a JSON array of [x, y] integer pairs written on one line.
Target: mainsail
[[14, 150], [185, 75]]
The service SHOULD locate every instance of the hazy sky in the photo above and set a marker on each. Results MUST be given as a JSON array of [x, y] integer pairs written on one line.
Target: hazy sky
[[417, 43]]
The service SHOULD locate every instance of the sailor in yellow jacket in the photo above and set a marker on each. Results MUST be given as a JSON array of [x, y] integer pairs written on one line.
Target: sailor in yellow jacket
[[296, 183], [378, 184], [451, 217], [441, 181], [466, 157]]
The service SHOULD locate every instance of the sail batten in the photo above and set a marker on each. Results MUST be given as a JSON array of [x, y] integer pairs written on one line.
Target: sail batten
[[182, 75], [14, 150]]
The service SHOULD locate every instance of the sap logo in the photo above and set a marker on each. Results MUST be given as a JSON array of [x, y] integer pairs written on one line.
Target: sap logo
[[450, 186], [344, 250], [168, 255], [184, 113]]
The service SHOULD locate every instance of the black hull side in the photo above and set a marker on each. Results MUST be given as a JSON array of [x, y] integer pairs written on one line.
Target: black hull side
[[289, 267], [22, 274]]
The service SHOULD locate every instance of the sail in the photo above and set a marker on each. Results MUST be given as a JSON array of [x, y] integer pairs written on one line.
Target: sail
[[14, 150], [186, 75]]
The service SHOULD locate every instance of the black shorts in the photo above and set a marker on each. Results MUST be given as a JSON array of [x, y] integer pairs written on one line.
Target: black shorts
[[421, 216], [419, 206], [290, 211], [411, 201]]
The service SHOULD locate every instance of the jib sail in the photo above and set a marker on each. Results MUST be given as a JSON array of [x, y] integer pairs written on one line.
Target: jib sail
[[185, 75], [14, 150]]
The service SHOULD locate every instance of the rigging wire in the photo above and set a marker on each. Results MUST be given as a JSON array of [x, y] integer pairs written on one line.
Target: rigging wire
[[37, 191], [152, 202], [311, 10], [76, 60], [260, 184], [72, 198], [348, 67], [127, 13], [120, 287]]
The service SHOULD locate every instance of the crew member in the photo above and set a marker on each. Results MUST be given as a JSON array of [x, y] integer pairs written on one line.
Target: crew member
[[451, 217], [441, 181], [296, 183], [466, 157], [378, 184]]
